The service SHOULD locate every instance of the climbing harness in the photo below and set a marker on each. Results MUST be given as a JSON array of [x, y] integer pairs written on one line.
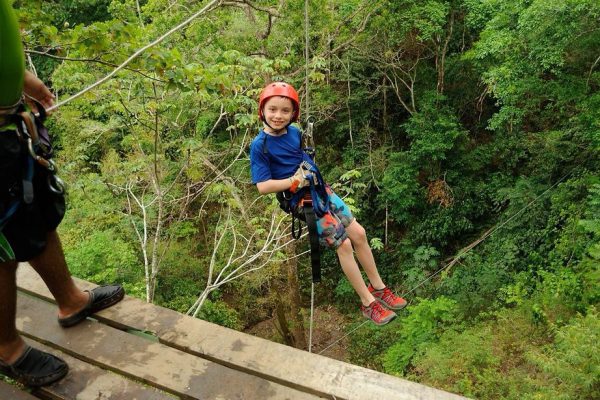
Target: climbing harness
[[32, 134], [308, 204]]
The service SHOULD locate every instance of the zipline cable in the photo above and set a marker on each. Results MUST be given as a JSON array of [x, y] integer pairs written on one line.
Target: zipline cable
[[307, 60], [341, 338], [488, 234], [460, 255], [213, 4]]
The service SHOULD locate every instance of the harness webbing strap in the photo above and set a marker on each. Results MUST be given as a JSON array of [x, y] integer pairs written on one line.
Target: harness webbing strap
[[296, 233], [313, 235], [10, 210]]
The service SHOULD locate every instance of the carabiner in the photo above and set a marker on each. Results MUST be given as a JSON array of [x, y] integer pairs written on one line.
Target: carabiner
[[55, 184]]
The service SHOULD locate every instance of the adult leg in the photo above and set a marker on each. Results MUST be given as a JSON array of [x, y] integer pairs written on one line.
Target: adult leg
[[358, 236], [27, 365], [11, 344], [50, 264], [350, 268], [74, 305]]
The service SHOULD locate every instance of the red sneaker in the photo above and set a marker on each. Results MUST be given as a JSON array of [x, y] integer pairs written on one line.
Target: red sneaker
[[386, 297], [376, 313]]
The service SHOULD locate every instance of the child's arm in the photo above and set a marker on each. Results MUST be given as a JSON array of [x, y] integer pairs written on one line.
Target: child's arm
[[274, 185], [293, 183]]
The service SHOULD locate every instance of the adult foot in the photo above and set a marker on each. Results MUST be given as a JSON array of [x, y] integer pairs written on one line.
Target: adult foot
[[35, 368], [100, 298]]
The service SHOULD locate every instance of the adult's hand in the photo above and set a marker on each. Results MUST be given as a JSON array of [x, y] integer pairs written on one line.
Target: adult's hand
[[36, 89]]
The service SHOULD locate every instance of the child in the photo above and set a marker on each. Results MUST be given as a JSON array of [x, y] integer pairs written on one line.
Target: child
[[275, 158]]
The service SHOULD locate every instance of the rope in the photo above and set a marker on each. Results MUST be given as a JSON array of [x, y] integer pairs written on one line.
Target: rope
[[309, 132], [312, 308], [346, 335], [306, 59], [208, 7]]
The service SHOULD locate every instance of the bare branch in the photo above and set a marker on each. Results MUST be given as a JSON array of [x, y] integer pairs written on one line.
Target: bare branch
[[92, 60]]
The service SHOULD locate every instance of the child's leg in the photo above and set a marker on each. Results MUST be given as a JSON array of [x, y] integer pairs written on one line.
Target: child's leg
[[353, 230], [358, 236], [350, 268], [332, 233], [370, 308]]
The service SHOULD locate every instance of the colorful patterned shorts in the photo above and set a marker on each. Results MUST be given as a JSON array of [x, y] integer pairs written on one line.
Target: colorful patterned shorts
[[332, 226]]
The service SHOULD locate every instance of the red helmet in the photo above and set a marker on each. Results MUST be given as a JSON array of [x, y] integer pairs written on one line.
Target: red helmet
[[279, 89]]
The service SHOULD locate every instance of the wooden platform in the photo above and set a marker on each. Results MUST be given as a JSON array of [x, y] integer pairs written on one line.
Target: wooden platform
[[136, 350]]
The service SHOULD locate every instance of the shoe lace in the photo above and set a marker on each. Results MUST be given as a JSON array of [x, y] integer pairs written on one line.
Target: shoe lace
[[377, 311], [388, 295]]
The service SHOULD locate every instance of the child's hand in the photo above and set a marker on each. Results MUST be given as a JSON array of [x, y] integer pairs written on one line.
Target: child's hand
[[300, 179]]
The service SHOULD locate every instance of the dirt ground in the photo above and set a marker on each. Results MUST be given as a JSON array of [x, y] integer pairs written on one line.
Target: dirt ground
[[328, 326]]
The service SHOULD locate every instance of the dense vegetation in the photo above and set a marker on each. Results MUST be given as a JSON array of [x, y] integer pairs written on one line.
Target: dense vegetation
[[443, 122]]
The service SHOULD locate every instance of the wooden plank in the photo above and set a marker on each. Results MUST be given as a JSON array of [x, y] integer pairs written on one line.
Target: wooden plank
[[295, 368], [155, 364], [8, 391], [87, 381]]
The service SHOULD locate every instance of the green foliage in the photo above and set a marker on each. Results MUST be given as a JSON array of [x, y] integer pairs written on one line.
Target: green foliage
[[103, 258], [493, 357], [572, 362], [476, 282], [220, 313], [370, 343], [592, 223], [345, 294], [401, 192], [542, 33], [6, 252], [437, 121], [423, 325], [376, 244], [424, 261], [433, 131]]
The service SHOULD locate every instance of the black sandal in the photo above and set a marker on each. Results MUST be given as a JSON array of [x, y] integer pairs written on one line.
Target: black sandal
[[100, 298], [35, 368]]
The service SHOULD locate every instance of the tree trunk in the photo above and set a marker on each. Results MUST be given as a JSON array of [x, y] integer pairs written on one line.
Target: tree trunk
[[284, 328]]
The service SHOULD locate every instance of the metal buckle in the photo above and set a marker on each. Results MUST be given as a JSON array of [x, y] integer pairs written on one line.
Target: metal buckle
[[55, 184], [305, 165]]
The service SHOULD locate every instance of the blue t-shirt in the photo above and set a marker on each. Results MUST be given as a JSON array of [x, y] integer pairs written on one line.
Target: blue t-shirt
[[275, 157]]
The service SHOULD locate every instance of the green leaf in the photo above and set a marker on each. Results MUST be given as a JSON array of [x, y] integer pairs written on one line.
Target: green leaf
[[6, 252]]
